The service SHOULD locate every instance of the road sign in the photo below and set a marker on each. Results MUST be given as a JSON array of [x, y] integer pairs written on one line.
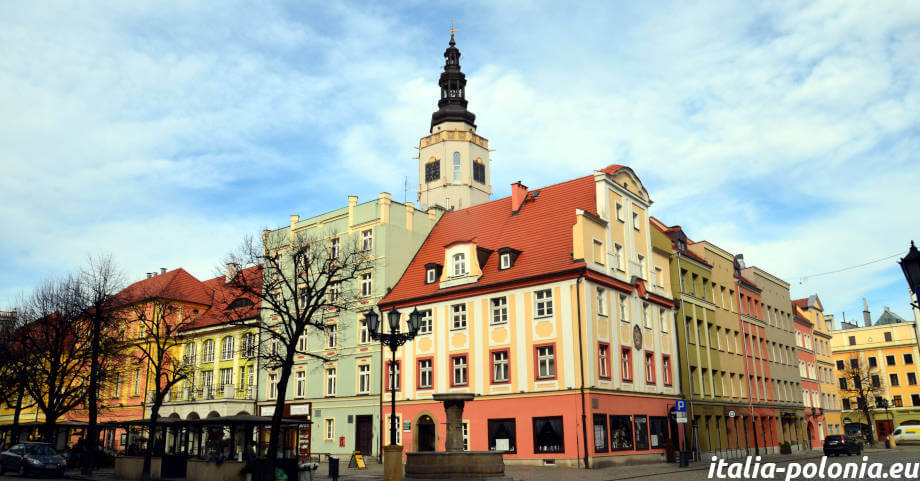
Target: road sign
[[681, 406], [681, 416], [731, 414]]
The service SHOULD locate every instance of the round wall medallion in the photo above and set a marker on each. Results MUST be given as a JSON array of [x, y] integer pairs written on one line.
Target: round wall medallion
[[637, 337]]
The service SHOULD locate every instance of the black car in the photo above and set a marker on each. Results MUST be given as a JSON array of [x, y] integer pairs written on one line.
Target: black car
[[838, 444], [32, 458]]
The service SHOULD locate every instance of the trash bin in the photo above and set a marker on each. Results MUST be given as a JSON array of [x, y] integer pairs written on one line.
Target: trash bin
[[305, 471], [684, 458], [887, 443], [334, 468]]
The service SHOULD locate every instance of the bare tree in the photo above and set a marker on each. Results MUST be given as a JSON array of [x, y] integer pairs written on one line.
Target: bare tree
[[301, 281], [863, 383], [48, 351], [11, 378], [100, 282], [159, 350]]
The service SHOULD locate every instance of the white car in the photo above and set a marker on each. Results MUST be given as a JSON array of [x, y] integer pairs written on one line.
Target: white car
[[907, 434]]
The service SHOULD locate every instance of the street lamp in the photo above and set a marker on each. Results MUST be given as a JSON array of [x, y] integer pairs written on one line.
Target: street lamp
[[393, 340], [910, 264]]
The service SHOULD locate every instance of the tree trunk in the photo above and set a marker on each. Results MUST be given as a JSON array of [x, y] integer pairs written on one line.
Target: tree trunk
[[92, 428], [151, 435], [280, 395], [18, 409]]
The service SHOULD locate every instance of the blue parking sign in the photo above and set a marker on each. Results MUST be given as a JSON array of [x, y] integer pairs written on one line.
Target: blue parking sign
[[681, 406]]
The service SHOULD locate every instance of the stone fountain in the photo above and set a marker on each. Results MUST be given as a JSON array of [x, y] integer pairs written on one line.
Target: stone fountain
[[455, 463]]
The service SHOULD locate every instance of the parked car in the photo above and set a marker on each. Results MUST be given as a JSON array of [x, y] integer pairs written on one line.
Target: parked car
[[906, 434], [838, 444], [32, 458]]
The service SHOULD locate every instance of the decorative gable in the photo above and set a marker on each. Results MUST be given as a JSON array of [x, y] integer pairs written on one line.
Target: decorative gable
[[463, 263]]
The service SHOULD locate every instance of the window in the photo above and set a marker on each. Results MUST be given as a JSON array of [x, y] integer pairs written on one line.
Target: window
[[136, 389], [424, 327], [544, 303], [887, 336], [666, 370], [915, 399], [226, 348], [334, 290], [893, 378], [141, 331], [424, 373], [854, 363], [334, 248], [465, 428], [546, 362], [649, 368], [603, 361], [659, 277], [479, 171], [116, 385], [502, 435], [641, 424], [889, 360], [624, 308], [431, 276], [548, 435], [626, 364], [367, 285], [504, 261], [458, 316], [499, 310], [190, 354], [600, 433], [393, 376], [332, 334], [364, 335], [621, 433], [912, 378], [458, 174], [272, 386], [207, 354], [330, 381], [367, 240], [364, 379], [663, 320], [640, 259], [302, 343], [207, 380], [876, 381], [852, 340], [646, 316], [601, 301], [897, 401], [432, 170], [840, 365], [658, 431], [618, 256], [873, 362], [330, 429], [619, 210], [226, 377], [846, 404], [908, 359], [598, 252], [459, 371], [635, 220], [500, 367], [249, 345], [459, 263]]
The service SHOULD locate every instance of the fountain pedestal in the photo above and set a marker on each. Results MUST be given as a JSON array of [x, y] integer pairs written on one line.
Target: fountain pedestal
[[454, 463]]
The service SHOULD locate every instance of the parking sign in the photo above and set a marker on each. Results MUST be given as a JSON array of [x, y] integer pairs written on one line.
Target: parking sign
[[681, 406]]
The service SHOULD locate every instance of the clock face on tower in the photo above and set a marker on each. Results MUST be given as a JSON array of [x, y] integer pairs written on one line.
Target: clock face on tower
[[637, 337]]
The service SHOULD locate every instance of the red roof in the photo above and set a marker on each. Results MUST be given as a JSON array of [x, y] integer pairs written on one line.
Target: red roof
[[803, 303], [541, 230], [175, 285], [224, 296]]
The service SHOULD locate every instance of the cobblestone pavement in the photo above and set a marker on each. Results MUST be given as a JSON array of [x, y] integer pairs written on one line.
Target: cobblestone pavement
[[697, 471]]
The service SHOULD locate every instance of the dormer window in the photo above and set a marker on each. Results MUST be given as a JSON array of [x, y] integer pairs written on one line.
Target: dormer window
[[430, 276], [505, 261], [507, 257], [459, 262]]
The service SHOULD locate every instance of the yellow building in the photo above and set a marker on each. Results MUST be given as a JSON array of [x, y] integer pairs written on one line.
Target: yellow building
[[811, 309], [889, 350]]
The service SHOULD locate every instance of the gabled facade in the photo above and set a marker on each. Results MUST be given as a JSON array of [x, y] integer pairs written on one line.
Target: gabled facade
[[811, 309], [552, 305], [342, 396], [808, 372]]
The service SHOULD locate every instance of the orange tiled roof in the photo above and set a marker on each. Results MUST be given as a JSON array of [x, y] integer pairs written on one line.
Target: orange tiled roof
[[224, 296], [176, 285], [803, 303], [541, 230]]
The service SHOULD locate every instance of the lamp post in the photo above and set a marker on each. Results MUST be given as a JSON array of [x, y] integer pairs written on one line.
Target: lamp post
[[910, 264], [393, 340]]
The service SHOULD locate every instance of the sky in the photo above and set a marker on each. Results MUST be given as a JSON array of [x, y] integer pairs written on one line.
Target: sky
[[164, 132]]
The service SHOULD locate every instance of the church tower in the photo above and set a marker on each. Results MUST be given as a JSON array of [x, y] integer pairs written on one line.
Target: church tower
[[453, 169]]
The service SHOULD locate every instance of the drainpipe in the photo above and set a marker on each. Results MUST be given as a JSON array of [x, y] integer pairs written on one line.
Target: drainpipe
[[581, 359]]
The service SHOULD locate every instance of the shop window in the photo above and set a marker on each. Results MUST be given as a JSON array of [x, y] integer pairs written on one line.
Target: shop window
[[502, 435], [547, 435], [600, 433], [658, 431], [641, 424], [621, 433]]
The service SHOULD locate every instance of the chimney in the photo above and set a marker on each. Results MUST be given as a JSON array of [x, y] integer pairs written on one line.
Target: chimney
[[867, 318], [518, 194], [232, 270], [162, 270], [149, 275], [829, 321]]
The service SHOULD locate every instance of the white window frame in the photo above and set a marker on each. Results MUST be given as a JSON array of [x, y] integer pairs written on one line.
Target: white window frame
[[458, 264], [334, 247], [603, 353], [663, 319], [500, 366], [367, 240], [248, 345], [364, 378], [425, 373], [498, 310], [504, 261], [273, 386], [207, 351], [624, 307], [226, 376], [226, 348], [543, 303], [135, 390], [364, 334], [601, 295], [431, 276], [618, 255], [546, 362], [635, 218], [458, 316], [300, 383], [619, 211], [330, 387], [332, 336], [329, 429], [427, 322], [459, 366], [367, 284]]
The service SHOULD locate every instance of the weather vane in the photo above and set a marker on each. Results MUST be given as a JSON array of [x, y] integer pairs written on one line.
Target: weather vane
[[452, 28]]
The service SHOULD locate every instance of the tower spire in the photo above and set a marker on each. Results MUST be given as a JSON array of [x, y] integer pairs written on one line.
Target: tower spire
[[452, 105]]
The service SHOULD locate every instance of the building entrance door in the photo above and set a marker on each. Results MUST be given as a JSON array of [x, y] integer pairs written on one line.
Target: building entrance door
[[364, 434], [426, 439], [884, 428]]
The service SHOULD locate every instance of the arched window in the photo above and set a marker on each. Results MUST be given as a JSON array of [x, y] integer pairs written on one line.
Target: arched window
[[459, 261], [456, 167], [249, 345], [226, 348], [207, 351], [190, 352]]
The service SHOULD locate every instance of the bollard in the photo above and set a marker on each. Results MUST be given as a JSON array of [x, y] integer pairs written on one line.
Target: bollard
[[334, 468]]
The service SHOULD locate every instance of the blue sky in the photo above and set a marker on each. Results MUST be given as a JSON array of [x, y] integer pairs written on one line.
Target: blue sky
[[162, 132]]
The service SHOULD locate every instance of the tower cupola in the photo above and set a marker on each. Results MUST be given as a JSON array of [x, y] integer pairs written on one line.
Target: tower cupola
[[452, 105]]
